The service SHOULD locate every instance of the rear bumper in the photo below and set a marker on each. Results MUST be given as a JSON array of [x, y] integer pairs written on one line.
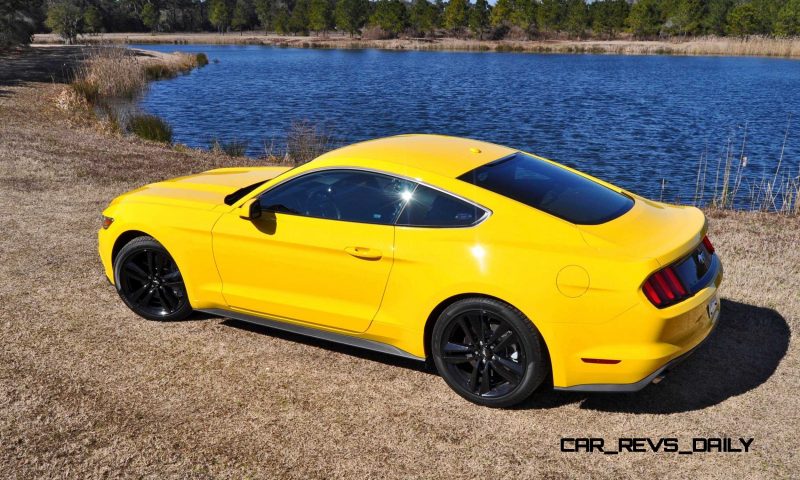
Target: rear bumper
[[636, 386], [641, 344]]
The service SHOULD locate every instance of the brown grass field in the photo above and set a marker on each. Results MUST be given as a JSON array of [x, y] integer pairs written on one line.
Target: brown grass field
[[88, 390], [752, 46]]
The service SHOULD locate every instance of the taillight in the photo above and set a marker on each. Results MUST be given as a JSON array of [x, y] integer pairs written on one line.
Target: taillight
[[708, 244], [664, 288]]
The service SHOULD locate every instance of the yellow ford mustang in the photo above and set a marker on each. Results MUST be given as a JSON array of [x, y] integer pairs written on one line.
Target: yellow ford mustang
[[500, 266]]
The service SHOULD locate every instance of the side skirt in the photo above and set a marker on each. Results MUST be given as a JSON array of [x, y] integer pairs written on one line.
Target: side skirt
[[315, 333]]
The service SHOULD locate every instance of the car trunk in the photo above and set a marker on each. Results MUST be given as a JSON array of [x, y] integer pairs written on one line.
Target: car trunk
[[650, 229]]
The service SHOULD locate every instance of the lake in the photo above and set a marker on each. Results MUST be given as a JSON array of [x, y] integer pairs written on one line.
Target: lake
[[642, 122]]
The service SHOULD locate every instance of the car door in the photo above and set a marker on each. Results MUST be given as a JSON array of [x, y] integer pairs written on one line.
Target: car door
[[320, 253]]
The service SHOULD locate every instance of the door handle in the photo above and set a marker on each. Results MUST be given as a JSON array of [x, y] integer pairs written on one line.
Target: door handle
[[364, 252]]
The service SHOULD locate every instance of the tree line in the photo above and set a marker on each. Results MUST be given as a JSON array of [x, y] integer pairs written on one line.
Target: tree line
[[516, 19]]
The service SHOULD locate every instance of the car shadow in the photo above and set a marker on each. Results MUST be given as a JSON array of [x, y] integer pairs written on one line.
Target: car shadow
[[740, 355]]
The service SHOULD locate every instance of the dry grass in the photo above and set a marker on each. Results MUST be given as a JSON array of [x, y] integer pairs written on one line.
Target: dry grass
[[89, 390], [756, 46], [115, 72]]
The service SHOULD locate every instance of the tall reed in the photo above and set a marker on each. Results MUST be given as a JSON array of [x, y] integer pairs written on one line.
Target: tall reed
[[779, 192]]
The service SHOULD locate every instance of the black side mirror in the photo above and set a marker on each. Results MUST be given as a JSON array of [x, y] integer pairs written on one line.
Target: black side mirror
[[250, 210]]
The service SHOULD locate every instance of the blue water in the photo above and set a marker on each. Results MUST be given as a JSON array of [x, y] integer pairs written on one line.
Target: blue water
[[635, 121]]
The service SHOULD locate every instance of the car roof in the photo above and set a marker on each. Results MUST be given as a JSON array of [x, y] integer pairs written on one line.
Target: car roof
[[439, 154]]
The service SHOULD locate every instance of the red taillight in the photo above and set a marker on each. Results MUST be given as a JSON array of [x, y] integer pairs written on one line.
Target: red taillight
[[708, 244], [664, 288]]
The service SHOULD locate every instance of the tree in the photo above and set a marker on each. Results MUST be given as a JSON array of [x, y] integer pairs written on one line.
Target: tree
[[608, 16], [577, 18], [743, 20], [281, 19], [17, 22], [685, 17], [66, 19], [788, 22], [320, 16], [92, 21], [242, 15], [265, 11], [455, 15], [479, 18], [390, 15], [351, 15], [150, 16], [218, 15], [298, 20], [716, 16], [502, 13], [551, 14], [422, 16], [645, 18]]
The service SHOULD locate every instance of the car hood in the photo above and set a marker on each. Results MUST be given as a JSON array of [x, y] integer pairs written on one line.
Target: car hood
[[651, 230], [202, 190]]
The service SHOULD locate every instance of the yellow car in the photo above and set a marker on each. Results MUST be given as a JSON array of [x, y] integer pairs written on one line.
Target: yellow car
[[501, 267]]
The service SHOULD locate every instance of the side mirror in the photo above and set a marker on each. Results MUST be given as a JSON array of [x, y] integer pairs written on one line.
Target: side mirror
[[250, 210]]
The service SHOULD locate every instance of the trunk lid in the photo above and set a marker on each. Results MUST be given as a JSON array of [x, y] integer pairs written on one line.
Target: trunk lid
[[650, 230]]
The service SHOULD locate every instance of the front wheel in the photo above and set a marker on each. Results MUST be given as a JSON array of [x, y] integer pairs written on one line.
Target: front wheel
[[149, 282], [488, 352]]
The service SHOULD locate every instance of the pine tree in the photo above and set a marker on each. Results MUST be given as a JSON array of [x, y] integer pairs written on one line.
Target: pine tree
[[298, 21], [265, 11], [551, 15], [351, 15], [218, 15], [422, 16], [242, 16], [390, 15], [788, 22], [716, 16], [645, 18], [320, 16], [743, 20], [455, 15], [479, 18], [577, 18], [150, 16]]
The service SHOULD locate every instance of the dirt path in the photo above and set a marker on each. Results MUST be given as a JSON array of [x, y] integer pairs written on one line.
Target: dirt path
[[87, 389]]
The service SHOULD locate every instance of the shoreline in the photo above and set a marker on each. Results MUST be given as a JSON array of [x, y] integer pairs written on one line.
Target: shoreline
[[700, 46]]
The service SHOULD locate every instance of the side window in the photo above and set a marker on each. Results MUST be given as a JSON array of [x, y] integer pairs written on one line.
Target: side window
[[428, 207], [348, 195]]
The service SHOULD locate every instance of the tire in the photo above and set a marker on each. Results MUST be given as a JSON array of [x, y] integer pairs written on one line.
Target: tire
[[489, 352], [149, 282]]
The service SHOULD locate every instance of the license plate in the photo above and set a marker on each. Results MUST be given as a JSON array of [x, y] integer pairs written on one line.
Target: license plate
[[713, 309]]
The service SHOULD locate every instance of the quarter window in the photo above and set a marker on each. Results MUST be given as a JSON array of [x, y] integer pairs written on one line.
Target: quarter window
[[348, 195], [427, 207]]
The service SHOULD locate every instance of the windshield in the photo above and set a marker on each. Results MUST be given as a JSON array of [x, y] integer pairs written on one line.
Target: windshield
[[550, 188]]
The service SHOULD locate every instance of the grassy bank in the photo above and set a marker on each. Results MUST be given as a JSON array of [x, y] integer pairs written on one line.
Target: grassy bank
[[87, 389], [753, 46]]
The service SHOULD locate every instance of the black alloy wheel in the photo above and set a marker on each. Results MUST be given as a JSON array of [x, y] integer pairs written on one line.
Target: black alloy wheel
[[149, 282], [488, 352]]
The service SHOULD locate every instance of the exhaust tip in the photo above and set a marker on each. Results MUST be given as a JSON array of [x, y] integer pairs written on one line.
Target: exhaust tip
[[658, 379]]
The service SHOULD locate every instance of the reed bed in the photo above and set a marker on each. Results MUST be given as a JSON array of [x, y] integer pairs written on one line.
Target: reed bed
[[110, 72]]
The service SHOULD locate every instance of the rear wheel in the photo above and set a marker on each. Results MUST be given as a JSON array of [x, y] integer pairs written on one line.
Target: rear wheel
[[149, 282], [488, 352]]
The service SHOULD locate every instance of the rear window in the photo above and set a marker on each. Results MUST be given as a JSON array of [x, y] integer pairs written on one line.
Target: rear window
[[550, 188]]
